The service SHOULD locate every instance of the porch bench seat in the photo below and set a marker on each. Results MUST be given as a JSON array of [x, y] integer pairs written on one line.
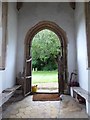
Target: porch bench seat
[[7, 93], [83, 93]]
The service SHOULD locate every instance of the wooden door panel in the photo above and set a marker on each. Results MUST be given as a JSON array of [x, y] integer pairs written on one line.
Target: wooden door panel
[[60, 75], [27, 86], [28, 67], [28, 76]]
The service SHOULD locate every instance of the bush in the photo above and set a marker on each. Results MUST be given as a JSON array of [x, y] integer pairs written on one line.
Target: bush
[[48, 65]]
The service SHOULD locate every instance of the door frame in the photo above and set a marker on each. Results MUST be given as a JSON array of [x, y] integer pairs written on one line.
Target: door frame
[[62, 73]]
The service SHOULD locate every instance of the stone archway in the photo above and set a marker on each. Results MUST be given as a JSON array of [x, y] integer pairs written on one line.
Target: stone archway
[[62, 65]]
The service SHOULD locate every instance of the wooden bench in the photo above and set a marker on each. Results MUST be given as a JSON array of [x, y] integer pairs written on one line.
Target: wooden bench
[[83, 93], [6, 94]]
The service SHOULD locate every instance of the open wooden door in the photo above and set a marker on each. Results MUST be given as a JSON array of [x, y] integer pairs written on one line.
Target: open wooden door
[[60, 75], [27, 73]]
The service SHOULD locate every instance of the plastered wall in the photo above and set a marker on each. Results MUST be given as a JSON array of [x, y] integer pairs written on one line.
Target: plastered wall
[[80, 25], [60, 13], [7, 76]]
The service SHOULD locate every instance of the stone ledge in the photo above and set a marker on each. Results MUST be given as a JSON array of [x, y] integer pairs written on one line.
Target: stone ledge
[[6, 94]]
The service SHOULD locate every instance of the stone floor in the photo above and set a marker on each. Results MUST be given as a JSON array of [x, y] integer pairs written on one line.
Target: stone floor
[[47, 90], [26, 108], [47, 87]]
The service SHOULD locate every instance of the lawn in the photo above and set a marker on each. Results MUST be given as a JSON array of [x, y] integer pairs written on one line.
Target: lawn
[[44, 77]]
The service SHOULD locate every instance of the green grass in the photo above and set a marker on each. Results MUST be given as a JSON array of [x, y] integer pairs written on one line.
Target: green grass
[[44, 76]]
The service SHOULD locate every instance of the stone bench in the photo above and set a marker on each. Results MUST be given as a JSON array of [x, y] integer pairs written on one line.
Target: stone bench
[[83, 93], [6, 94]]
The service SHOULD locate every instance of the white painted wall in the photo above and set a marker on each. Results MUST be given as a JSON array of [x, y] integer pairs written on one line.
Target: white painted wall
[[0, 81], [0, 45], [60, 13], [9, 74], [89, 80], [0, 28], [88, 103], [81, 45]]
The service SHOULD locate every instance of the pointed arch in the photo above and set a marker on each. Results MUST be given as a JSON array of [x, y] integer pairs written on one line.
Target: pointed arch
[[63, 40]]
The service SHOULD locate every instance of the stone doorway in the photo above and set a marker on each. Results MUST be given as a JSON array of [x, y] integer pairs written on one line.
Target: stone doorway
[[62, 64]]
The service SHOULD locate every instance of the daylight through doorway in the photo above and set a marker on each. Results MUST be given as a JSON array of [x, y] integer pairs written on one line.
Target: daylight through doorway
[[45, 51]]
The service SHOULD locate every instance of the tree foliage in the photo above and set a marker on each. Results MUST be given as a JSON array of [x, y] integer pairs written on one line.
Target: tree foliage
[[45, 50]]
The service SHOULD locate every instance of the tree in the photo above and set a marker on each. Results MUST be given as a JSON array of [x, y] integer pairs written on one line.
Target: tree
[[45, 50]]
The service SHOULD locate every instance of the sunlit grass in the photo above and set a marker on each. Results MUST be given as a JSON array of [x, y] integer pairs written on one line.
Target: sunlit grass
[[44, 77]]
